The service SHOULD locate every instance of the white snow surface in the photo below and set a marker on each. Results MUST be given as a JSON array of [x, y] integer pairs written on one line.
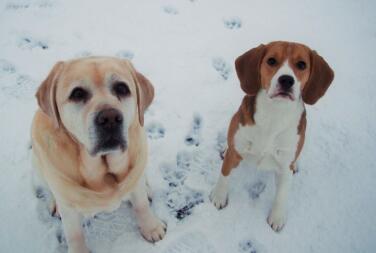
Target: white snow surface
[[187, 49]]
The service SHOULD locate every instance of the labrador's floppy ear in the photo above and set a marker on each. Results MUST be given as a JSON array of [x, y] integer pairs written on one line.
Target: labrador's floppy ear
[[46, 94], [248, 69], [320, 78], [145, 92]]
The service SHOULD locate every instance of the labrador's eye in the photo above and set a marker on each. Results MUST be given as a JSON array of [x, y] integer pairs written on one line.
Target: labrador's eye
[[79, 94], [121, 89], [301, 65], [271, 61]]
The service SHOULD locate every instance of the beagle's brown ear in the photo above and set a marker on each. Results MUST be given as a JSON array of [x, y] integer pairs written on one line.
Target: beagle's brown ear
[[46, 94], [144, 90], [319, 80], [248, 69]]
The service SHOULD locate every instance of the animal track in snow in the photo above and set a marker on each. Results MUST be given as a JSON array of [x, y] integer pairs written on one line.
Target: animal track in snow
[[256, 190], [169, 9], [25, 86], [232, 23], [21, 5], [28, 42], [194, 135], [222, 67], [6, 67], [125, 54], [250, 246], [155, 130], [180, 198], [84, 53], [193, 242], [221, 145]]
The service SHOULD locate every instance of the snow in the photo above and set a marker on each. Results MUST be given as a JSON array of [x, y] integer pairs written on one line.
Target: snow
[[187, 48]]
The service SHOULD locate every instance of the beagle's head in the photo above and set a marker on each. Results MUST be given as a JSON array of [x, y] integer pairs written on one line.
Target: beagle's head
[[96, 99], [286, 70]]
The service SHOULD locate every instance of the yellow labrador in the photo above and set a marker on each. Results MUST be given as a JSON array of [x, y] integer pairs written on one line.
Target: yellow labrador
[[89, 145]]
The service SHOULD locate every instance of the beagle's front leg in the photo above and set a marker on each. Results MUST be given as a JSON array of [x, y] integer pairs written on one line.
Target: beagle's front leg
[[151, 228], [277, 216], [74, 235]]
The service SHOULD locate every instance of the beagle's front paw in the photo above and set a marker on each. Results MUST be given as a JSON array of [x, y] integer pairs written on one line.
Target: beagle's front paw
[[277, 220], [154, 230], [219, 198]]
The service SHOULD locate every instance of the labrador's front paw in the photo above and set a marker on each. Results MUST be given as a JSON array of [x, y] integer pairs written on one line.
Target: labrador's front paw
[[154, 230]]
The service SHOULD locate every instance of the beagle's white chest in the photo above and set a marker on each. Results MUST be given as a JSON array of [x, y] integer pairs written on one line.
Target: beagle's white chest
[[272, 141]]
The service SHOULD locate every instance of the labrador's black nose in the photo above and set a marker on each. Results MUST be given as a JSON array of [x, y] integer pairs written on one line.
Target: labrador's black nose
[[286, 81], [108, 119]]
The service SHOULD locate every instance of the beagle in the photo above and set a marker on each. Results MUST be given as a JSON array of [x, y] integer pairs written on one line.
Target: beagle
[[269, 128], [89, 145]]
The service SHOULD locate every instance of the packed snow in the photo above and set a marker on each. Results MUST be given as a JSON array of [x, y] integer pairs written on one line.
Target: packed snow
[[187, 49]]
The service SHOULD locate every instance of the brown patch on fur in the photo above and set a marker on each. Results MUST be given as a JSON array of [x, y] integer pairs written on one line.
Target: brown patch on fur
[[248, 69], [320, 78], [301, 132], [244, 116], [247, 110]]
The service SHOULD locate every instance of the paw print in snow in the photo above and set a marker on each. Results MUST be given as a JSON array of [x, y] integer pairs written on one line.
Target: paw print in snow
[[169, 9], [155, 130], [30, 43], [193, 137], [222, 67], [6, 67], [221, 144], [232, 23], [84, 53], [125, 54], [256, 190], [247, 246], [183, 200]]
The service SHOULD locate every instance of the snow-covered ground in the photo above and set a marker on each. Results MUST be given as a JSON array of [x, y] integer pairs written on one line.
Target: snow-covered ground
[[187, 48]]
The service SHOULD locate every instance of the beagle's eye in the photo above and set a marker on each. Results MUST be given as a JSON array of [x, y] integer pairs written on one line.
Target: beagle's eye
[[301, 65], [121, 89], [271, 61], [79, 94]]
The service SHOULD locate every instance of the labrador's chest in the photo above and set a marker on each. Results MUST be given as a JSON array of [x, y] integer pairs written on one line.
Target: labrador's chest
[[272, 141]]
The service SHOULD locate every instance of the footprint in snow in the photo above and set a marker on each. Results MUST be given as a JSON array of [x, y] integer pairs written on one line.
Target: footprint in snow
[[6, 67], [84, 53], [221, 145], [155, 130], [250, 246], [21, 5], [28, 42], [232, 23], [194, 135], [125, 54], [222, 67], [180, 198], [193, 242], [256, 190], [169, 9], [24, 87]]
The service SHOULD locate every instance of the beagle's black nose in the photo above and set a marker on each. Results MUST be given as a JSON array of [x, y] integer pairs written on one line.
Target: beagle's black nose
[[286, 81], [109, 119]]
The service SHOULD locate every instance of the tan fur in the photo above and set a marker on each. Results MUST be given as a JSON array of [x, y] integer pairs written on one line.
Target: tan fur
[[88, 184]]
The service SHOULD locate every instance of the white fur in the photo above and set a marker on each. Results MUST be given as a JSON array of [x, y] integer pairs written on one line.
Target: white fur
[[272, 141], [219, 195], [285, 69], [84, 130]]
